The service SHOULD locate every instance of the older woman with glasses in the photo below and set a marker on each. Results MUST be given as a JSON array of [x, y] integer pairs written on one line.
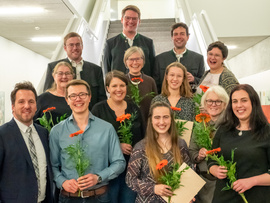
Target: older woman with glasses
[[214, 102], [55, 96]]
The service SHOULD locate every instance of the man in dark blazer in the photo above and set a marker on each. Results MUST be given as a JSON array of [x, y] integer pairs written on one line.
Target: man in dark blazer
[[18, 180], [84, 70]]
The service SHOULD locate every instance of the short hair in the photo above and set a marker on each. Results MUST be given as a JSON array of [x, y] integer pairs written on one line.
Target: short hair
[[219, 91], [185, 89], [115, 74], [77, 82], [72, 34], [258, 123], [55, 69], [177, 25], [26, 85], [132, 50], [133, 8], [220, 45]]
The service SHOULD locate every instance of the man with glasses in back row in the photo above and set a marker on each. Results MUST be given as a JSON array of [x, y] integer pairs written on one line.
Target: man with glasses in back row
[[84, 70], [115, 47], [99, 142]]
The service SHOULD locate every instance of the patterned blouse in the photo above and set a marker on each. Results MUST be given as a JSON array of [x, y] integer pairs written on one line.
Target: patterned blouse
[[138, 176], [186, 104]]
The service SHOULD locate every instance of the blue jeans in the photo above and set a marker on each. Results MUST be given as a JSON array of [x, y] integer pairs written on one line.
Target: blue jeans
[[119, 191], [93, 199]]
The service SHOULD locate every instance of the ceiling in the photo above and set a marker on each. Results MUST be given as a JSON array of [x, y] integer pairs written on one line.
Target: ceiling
[[20, 29]]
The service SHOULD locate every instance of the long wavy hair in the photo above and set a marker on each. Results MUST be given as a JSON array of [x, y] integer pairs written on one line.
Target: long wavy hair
[[184, 89], [258, 123], [153, 149]]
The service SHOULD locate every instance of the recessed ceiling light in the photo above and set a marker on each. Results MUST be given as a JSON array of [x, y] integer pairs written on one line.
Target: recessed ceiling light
[[231, 46], [20, 10], [46, 39]]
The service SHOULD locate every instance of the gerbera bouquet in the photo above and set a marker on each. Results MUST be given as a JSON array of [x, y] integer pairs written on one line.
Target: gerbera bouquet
[[230, 166], [77, 154], [203, 130], [180, 125], [48, 123], [172, 177], [124, 130]]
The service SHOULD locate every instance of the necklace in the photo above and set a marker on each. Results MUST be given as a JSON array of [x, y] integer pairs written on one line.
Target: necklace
[[135, 83]]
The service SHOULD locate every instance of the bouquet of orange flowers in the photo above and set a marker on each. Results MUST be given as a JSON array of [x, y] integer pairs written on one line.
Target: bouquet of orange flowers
[[180, 125], [77, 154], [202, 131], [172, 177], [124, 130], [48, 123]]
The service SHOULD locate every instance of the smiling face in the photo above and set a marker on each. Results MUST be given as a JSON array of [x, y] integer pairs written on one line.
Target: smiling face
[[130, 21], [241, 105], [79, 105], [25, 106], [61, 79], [213, 109], [161, 120], [180, 38], [74, 47], [135, 63], [117, 89], [175, 78], [215, 59]]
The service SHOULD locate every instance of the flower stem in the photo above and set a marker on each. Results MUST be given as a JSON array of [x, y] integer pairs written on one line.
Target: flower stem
[[243, 197]]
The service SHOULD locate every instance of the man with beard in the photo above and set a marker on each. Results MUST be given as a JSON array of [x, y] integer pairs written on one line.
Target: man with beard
[[191, 60]]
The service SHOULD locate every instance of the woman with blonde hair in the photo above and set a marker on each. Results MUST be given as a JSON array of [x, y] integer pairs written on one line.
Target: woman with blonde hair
[[176, 91], [161, 142], [55, 96]]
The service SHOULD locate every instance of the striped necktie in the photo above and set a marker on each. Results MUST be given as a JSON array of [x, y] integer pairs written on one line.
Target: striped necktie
[[33, 154]]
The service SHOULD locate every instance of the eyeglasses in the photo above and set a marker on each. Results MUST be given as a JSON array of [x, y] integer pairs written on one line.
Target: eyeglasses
[[74, 45], [131, 18], [60, 74], [81, 95], [135, 59], [214, 55], [211, 102]]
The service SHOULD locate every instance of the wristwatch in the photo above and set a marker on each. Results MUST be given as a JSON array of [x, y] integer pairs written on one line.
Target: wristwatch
[[99, 178]]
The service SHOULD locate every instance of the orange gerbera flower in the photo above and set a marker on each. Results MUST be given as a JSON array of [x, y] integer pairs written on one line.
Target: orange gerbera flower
[[175, 108], [123, 117], [76, 133], [137, 78], [203, 117], [213, 151], [161, 164], [48, 109], [204, 88]]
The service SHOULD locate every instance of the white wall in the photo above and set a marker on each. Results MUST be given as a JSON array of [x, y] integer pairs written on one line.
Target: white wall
[[150, 8], [18, 64]]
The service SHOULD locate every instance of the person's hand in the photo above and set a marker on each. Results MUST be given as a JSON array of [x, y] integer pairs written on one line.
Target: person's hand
[[218, 171], [163, 190], [202, 154], [242, 185], [70, 186], [193, 200], [190, 77], [126, 148], [87, 181]]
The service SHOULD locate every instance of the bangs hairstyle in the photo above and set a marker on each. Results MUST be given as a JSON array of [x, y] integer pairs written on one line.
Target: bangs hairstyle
[[258, 123], [62, 63], [77, 82], [221, 46], [153, 149], [184, 89], [133, 8], [22, 86], [115, 74], [131, 51]]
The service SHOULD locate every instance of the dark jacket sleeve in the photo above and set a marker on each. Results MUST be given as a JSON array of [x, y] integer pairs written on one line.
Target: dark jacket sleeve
[[107, 58], [200, 71], [49, 78]]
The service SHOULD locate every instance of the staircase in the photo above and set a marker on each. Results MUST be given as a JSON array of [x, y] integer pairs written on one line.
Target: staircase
[[159, 30]]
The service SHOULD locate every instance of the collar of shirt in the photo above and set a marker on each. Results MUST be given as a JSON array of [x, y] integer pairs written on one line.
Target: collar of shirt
[[130, 41], [78, 66], [179, 56], [72, 120], [22, 126]]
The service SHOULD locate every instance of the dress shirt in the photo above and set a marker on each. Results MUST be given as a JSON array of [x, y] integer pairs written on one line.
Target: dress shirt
[[130, 41], [42, 162], [179, 56], [78, 66], [101, 146]]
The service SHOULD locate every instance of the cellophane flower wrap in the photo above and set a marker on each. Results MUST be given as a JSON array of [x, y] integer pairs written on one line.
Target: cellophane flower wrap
[[124, 130], [77, 154], [171, 176]]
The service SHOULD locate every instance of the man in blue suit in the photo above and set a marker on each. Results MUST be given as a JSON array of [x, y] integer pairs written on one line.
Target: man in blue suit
[[89, 72], [25, 169]]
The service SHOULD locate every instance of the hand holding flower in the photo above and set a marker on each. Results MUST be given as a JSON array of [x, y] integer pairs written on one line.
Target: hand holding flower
[[163, 190], [202, 154], [70, 186], [244, 184], [219, 171], [126, 148], [87, 181]]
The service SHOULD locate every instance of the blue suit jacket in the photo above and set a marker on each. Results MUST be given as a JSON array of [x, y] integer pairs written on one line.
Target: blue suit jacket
[[17, 175]]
